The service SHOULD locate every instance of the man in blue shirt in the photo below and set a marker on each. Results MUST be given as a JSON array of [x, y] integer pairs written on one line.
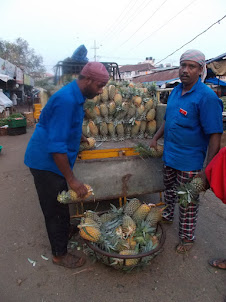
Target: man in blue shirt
[[192, 124], [52, 151]]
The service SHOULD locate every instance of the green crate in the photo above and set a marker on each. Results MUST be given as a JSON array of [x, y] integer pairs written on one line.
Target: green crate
[[17, 122]]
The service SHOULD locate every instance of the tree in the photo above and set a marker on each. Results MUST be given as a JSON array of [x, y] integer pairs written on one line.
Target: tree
[[21, 55]]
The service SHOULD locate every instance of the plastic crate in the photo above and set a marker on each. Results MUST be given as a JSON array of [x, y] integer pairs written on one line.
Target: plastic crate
[[17, 122], [17, 130]]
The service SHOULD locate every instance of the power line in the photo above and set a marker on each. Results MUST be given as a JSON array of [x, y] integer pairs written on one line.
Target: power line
[[163, 25], [192, 39], [113, 26], [143, 23], [129, 18]]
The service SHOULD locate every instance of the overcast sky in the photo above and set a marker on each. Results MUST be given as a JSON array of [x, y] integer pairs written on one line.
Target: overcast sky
[[125, 31]]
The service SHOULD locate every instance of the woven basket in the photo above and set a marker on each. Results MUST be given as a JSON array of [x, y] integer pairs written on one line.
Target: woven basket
[[109, 258]]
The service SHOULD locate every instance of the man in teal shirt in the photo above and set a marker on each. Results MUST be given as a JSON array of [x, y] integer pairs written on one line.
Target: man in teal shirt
[[193, 123], [52, 151]]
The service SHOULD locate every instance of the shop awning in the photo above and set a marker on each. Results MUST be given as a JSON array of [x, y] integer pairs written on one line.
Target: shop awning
[[5, 77]]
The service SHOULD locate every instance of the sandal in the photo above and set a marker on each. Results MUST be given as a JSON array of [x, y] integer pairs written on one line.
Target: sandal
[[218, 263], [184, 246], [69, 261]]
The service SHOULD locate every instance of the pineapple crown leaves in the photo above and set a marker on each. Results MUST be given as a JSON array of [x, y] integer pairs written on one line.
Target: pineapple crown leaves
[[143, 150], [63, 197], [89, 105], [132, 121], [187, 194]]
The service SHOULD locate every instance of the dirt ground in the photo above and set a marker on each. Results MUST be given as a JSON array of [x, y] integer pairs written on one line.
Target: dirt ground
[[169, 277]]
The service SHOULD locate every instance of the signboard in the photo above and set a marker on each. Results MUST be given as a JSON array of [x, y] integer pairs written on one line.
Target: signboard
[[2, 66], [28, 80], [19, 76], [10, 69]]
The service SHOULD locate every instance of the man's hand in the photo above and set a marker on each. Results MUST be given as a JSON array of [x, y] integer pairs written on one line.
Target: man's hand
[[84, 139], [153, 143], [78, 187], [202, 175]]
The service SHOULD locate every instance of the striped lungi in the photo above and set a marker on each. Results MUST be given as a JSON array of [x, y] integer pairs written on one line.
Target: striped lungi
[[187, 216]]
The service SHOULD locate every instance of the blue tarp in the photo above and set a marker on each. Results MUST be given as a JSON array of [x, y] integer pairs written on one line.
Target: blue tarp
[[215, 81], [80, 54]]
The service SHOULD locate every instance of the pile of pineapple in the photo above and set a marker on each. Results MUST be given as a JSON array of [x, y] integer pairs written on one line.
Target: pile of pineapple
[[129, 230], [122, 111]]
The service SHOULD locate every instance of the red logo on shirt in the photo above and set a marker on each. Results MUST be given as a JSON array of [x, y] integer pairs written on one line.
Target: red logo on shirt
[[184, 112]]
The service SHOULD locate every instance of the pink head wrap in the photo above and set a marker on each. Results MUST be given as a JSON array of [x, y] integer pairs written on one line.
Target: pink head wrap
[[95, 71], [196, 56]]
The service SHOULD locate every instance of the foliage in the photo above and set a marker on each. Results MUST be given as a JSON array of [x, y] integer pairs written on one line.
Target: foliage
[[20, 54], [46, 84]]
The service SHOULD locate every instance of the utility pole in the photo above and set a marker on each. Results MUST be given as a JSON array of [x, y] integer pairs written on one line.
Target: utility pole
[[95, 50]]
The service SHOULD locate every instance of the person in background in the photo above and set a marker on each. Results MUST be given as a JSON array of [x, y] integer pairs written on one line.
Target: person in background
[[14, 99], [192, 124], [216, 176], [52, 151]]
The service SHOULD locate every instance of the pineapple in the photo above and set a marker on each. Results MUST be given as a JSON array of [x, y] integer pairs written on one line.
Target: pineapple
[[131, 206], [111, 108], [89, 232], [140, 111], [154, 216], [104, 130], [121, 111], [148, 104], [111, 130], [151, 127], [131, 242], [97, 99], [70, 195], [104, 111], [89, 110], [145, 150], [93, 215], [120, 131], [129, 262], [128, 225], [90, 221], [104, 95], [131, 111], [122, 245], [141, 213], [137, 101], [107, 217], [86, 146], [151, 115], [144, 233], [111, 91], [188, 193], [85, 129], [135, 129], [143, 126], [118, 99], [93, 129]]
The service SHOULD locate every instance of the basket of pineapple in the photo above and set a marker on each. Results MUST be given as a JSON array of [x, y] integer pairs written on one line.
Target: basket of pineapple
[[125, 238]]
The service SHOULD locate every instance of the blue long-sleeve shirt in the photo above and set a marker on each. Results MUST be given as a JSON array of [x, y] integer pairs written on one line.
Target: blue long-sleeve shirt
[[58, 131]]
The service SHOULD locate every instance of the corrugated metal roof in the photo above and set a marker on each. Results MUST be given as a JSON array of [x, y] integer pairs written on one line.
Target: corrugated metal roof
[[156, 76], [218, 58], [137, 67]]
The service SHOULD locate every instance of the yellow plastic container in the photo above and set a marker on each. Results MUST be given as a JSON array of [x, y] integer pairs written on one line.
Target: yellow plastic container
[[37, 110]]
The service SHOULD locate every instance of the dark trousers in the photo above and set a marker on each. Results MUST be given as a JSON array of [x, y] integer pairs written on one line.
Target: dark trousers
[[57, 217]]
